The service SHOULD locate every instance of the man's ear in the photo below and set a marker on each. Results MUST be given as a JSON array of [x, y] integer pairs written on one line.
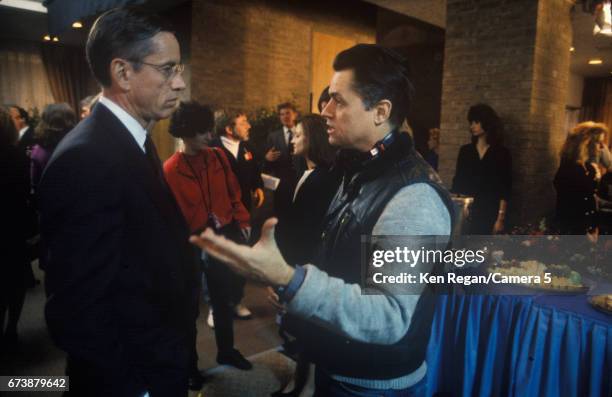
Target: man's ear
[[121, 73], [382, 111], [229, 131]]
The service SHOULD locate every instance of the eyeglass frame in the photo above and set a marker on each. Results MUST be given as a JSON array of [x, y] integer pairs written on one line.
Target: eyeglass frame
[[176, 68]]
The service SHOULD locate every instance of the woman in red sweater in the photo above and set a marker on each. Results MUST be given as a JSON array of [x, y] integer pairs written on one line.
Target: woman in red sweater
[[209, 195]]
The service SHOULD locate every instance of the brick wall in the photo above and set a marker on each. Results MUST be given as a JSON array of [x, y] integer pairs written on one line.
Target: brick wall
[[513, 55], [253, 53]]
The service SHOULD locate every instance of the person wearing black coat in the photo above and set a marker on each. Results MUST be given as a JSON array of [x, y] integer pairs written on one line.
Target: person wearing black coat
[[17, 217], [298, 234], [484, 172]]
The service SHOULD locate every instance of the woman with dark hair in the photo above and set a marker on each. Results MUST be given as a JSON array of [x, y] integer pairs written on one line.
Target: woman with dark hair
[[56, 121], [484, 171], [208, 194], [16, 216], [577, 178], [297, 234]]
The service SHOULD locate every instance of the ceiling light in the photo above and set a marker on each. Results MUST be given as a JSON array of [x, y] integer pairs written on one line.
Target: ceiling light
[[77, 25], [55, 39], [47, 38], [572, 49], [595, 61]]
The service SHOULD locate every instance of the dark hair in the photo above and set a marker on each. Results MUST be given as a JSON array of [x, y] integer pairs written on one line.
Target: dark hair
[[379, 73], [489, 121], [320, 151], [324, 97], [8, 132], [121, 33], [56, 121], [286, 105], [22, 113], [227, 118], [191, 118]]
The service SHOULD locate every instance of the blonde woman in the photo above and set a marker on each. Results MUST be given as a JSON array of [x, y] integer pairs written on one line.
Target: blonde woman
[[577, 177]]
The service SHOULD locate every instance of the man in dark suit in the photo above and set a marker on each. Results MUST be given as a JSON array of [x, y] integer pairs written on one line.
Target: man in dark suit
[[280, 161], [232, 136], [26, 139], [120, 275]]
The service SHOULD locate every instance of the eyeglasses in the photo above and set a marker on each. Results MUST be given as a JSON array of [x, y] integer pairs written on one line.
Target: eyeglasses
[[169, 71]]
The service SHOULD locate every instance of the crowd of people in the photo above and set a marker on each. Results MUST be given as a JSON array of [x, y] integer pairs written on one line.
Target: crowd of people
[[123, 277]]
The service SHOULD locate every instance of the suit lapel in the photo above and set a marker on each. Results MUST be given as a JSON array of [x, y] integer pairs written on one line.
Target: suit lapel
[[136, 163], [281, 140]]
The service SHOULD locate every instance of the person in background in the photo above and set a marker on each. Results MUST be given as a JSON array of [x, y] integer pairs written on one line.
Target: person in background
[[56, 121], [280, 161], [232, 137], [15, 215], [323, 99], [427, 144], [577, 178], [298, 235], [208, 193], [484, 171], [26, 137]]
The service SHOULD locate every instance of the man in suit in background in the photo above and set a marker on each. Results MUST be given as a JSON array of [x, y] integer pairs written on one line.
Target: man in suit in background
[[25, 142], [21, 120], [232, 136], [120, 275], [280, 161]]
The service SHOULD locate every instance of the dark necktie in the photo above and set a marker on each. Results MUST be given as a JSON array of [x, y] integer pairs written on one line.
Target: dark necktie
[[153, 158], [290, 142]]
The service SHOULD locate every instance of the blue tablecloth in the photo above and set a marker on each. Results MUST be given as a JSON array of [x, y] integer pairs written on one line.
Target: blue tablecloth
[[519, 346]]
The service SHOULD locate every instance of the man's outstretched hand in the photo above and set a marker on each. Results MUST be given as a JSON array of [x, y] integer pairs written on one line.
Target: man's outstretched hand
[[263, 262]]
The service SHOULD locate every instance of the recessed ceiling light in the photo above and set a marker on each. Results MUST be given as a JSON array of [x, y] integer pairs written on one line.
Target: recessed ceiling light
[[55, 39], [77, 25], [47, 38], [572, 49], [595, 61]]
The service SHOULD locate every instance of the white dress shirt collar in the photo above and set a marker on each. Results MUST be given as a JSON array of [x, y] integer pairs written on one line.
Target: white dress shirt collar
[[286, 133], [231, 145], [22, 131], [139, 133]]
